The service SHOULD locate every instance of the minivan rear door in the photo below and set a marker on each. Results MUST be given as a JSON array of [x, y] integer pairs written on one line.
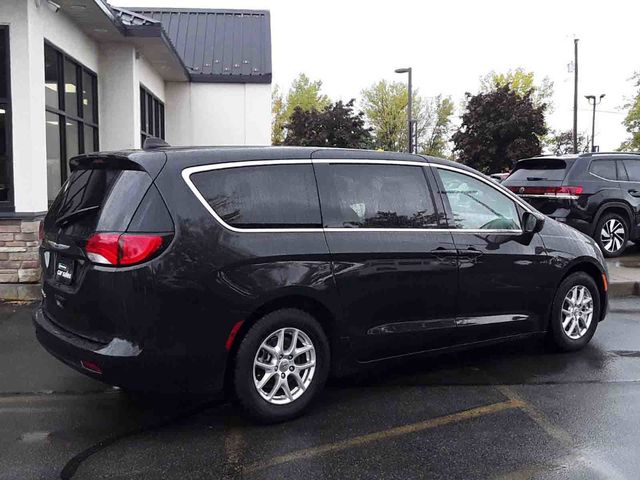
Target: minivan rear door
[[395, 268], [100, 195]]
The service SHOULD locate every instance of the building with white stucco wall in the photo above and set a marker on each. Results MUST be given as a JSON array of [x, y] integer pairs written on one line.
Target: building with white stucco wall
[[77, 76]]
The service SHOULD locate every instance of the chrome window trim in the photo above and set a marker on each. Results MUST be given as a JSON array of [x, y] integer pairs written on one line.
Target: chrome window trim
[[562, 196], [188, 171]]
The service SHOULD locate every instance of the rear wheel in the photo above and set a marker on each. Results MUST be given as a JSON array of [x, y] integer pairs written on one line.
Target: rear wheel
[[575, 312], [281, 365], [612, 234]]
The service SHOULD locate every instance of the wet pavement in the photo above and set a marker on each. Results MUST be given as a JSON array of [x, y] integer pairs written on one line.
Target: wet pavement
[[624, 272], [515, 411]]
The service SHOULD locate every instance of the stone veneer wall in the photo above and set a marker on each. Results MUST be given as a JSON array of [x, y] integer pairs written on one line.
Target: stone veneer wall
[[19, 261]]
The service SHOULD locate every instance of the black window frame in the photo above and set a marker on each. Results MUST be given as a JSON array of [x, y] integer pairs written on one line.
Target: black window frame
[[5, 104], [80, 118], [153, 117]]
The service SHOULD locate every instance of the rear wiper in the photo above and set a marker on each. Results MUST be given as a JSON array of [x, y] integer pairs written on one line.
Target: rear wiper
[[534, 179], [66, 218]]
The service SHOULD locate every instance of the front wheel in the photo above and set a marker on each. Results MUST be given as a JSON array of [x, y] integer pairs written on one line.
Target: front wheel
[[575, 312], [281, 365]]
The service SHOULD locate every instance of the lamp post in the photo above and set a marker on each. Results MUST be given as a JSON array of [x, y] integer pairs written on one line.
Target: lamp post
[[593, 101], [409, 105]]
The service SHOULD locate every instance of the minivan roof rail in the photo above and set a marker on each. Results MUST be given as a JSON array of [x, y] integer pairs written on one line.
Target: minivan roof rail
[[151, 143]]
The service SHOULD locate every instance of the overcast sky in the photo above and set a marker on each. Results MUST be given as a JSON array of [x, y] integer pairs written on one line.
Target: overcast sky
[[451, 44]]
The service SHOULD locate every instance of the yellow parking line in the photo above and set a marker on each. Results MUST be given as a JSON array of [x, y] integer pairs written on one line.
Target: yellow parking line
[[385, 434]]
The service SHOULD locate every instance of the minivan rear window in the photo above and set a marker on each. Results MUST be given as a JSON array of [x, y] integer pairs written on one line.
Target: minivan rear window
[[98, 199], [539, 169], [266, 196]]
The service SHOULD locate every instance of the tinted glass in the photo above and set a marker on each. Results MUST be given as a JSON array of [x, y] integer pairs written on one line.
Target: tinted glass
[[604, 168], [70, 88], [5, 181], [51, 74], [539, 169], [633, 169], [53, 155], [263, 196], [143, 111], [476, 205], [375, 196], [89, 140], [4, 55], [73, 139], [88, 106]]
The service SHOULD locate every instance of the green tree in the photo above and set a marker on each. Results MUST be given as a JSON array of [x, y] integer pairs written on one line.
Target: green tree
[[337, 125], [632, 120], [522, 83], [439, 112], [304, 93], [561, 142], [498, 128], [385, 106]]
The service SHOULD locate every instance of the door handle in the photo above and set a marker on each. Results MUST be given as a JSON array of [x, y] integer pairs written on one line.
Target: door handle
[[474, 252], [634, 193], [444, 251]]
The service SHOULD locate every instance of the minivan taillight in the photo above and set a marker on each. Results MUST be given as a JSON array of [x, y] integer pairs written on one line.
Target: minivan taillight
[[122, 248], [558, 192]]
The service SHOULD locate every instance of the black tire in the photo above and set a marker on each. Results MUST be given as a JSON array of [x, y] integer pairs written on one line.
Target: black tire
[[243, 376], [600, 231], [558, 338]]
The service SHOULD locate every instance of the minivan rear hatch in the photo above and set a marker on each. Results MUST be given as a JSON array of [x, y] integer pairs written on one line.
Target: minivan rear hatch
[[541, 182], [100, 199]]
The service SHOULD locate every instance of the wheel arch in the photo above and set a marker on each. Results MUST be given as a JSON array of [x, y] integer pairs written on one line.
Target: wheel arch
[[305, 302], [589, 267], [619, 207]]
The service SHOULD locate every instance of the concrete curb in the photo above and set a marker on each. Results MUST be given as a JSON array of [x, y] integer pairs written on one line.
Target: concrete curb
[[624, 289]]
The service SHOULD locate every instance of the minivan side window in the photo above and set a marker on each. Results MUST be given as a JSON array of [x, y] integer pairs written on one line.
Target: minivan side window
[[604, 169], [476, 205], [633, 169], [375, 196], [263, 196]]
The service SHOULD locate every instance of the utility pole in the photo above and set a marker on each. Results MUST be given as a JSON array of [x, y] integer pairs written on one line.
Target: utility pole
[[575, 96], [593, 101], [409, 105]]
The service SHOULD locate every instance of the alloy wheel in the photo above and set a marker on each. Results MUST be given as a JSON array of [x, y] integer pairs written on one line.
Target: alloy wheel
[[577, 312], [612, 235], [284, 366]]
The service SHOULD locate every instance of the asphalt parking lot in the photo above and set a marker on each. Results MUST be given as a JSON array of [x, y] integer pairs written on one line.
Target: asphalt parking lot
[[510, 412]]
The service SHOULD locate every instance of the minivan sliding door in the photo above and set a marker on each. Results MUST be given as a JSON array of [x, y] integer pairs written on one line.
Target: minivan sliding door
[[394, 267]]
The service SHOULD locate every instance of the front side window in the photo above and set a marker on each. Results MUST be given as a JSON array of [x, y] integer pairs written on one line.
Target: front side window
[[375, 196], [71, 106], [633, 170], [151, 116], [604, 169], [476, 205], [269, 196]]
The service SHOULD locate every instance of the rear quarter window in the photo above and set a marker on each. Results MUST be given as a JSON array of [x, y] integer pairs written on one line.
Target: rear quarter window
[[604, 169], [266, 196]]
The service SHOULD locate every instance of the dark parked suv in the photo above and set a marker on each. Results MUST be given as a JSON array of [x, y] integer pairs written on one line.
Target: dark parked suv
[[597, 193], [264, 270]]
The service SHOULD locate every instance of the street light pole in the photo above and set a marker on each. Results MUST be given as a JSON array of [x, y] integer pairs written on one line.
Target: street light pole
[[592, 101], [409, 107], [575, 96]]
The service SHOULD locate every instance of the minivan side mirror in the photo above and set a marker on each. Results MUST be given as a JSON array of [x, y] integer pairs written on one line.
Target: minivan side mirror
[[532, 223]]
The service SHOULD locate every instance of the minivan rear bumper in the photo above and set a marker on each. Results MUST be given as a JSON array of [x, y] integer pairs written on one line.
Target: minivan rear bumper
[[122, 363]]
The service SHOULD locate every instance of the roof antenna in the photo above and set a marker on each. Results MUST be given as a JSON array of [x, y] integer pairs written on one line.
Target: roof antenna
[[151, 143]]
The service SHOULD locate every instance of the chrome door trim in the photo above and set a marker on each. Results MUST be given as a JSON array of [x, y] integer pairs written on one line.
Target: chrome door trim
[[188, 171]]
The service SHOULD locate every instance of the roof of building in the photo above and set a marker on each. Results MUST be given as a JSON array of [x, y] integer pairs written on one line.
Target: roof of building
[[219, 46]]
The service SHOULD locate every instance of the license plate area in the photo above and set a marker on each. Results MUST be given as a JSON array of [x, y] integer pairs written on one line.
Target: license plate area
[[64, 270]]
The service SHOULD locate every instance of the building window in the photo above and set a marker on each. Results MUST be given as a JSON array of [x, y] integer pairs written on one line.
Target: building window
[[151, 116], [6, 162], [71, 104]]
